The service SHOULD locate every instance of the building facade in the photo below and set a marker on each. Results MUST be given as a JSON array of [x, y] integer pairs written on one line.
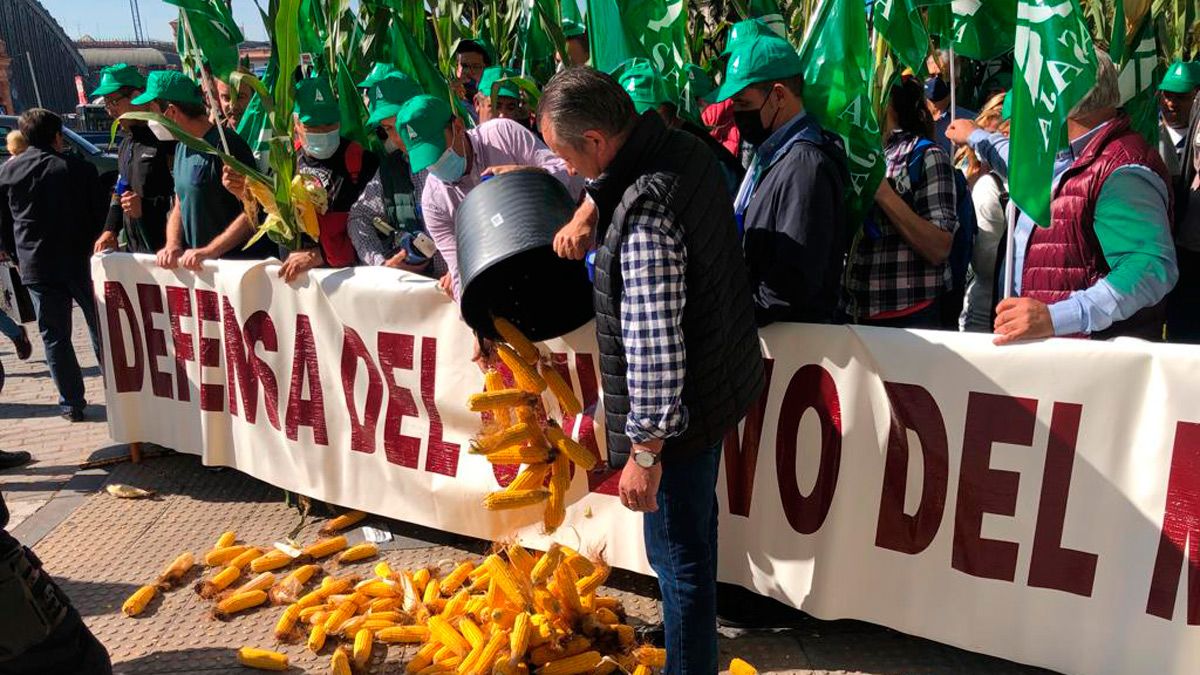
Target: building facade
[[44, 61], [6, 102]]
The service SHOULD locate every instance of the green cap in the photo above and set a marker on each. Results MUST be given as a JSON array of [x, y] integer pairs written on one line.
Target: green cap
[[744, 31], [379, 71], [170, 86], [422, 126], [494, 73], [761, 60], [572, 28], [315, 103], [116, 76], [1181, 78], [388, 95], [697, 81], [642, 82]]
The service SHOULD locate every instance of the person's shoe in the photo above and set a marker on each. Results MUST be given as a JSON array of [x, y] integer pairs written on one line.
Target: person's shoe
[[24, 347], [73, 415], [11, 460]]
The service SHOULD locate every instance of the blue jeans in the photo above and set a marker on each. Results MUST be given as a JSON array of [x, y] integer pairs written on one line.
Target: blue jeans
[[52, 304], [9, 328], [681, 544]]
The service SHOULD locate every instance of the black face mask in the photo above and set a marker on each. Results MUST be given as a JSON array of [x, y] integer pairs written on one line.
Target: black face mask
[[750, 125]]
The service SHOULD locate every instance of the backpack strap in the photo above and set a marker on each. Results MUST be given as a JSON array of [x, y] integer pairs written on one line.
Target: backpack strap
[[916, 161], [354, 161]]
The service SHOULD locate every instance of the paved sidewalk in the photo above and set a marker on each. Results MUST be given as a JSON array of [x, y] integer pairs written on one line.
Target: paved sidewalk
[[102, 548]]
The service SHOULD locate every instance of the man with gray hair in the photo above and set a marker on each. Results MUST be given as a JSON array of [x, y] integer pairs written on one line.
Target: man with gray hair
[[1104, 264], [679, 352]]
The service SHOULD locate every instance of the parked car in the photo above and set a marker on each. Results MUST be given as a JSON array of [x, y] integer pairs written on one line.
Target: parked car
[[105, 162]]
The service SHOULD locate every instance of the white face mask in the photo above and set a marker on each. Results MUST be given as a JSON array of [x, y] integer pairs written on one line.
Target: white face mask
[[160, 132], [322, 145]]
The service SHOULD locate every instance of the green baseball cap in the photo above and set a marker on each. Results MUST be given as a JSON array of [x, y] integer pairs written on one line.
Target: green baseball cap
[[760, 60], [642, 82], [1182, 77], [744, 31], [572, 28], [379, 71], [494, 73], [422, 125], [315, 103], [388, 95], [697, 82], [116, 76], [170, 86]]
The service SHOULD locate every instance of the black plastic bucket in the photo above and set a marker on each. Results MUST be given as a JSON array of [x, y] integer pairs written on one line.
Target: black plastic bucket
[[505, 230]]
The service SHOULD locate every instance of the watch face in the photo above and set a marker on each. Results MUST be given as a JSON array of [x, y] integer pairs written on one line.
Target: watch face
[[644, 459]]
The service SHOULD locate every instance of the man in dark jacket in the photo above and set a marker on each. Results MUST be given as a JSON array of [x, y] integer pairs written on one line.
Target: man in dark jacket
[[679, 352], [792, 203], [1183, 305], [51, 208], [145, 164]]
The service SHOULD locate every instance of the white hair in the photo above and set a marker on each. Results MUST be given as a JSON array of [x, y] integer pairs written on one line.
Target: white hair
[[1105, 94]]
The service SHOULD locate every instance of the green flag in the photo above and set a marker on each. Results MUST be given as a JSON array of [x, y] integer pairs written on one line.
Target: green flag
[[217, 34], [768, 12], [978, 29], [654, 29], [534, 47], [1134, 52], [837, 89], [1055, 67], [900, 24], [569, 11]]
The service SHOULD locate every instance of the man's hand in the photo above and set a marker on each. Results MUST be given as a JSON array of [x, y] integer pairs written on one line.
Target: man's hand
[[193, 258], [639, 487], [485, 352], [131, 204], [233, 181], [960, 130], [502, 169], [400, 262], [446, 285], [576, 237], [168, 256], [299, 262], [1022, 319], [106, 242]]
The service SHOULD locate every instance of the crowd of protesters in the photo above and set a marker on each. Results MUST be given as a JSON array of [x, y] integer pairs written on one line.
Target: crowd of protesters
[[711, 215]]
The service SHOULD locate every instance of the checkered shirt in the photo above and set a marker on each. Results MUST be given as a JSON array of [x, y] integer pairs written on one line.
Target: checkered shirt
[[653, 268], [885, 273]]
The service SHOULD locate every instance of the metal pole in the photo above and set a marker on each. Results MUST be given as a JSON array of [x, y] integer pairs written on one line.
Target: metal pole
[[1009, 253], [36, 91], [953, 85], [206, 85]]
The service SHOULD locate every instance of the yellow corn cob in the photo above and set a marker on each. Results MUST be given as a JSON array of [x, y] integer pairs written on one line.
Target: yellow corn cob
[[360, 552], [271, 560], [651, 656], [219, 582], [379, 589], [531, 478], [503, 618], [502, 500], [421, 578], [344, 611], [441, 631], [518, 642], [349, 627], [241, 602], [389, 615], [545, 565], [499, 400], [494, 381], [383, 570], [452, 581], [339, 663], [385, 604], [343, 521], [516, 589], [472, 632], [515, 435], [433, 591], [546, 602], [226, 540], [545, 654], [261, 582], [456, 605], [287, 621], [582, 566], [542, 631], [642, 669], [307, 612], [176, 571], [423, 658], [476, 606], [136, 603], [486, 657], [443, 654], [526, 376], [374, 624], [246, 557], [576, 644], [221, 556], [316, 637], [319, 617], [578, 454], [625, 634], [363, 641], [528, 454], [607, 616], [740, 667], [572, 665], [481, 581], [556, 505], [517, 339], [520, 559], [566, 588], [262, 659], [403, 634], [567, 401], [325, 547], [302, 574], [588, 584], [606, 601]]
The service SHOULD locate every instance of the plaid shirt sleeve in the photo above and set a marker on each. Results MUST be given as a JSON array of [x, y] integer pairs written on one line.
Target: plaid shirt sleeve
[[653, 265], [934, 199]]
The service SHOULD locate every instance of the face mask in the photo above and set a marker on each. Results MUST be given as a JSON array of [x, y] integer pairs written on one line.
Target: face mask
[[750, 125], [160, 132], [450, 166], [389, 146], [322, 145]]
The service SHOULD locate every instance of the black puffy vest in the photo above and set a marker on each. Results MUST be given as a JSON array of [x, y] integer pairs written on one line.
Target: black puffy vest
[[724, 362]]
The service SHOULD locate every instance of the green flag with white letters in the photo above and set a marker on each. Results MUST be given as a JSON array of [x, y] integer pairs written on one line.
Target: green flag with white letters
[[901, 25], [217, 34], [654, 29], [978, 29]]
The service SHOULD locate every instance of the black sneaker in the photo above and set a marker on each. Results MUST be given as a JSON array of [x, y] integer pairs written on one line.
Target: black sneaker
[[21, 342], [73, 415], [11, 460]]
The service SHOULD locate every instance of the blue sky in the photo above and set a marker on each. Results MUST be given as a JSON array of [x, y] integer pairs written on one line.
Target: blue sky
[[110, 19]]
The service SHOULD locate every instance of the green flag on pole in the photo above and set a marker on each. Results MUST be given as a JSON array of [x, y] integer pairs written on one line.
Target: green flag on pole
[[837, 89], [217, 34], [769, 13], [978, 29], [569, 11], [654, 29], [900, 24], [1055, 67], [535, 48], [1134, 52]]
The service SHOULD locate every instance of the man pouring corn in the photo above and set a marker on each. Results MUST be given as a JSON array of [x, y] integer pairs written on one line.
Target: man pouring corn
[[680, 358]]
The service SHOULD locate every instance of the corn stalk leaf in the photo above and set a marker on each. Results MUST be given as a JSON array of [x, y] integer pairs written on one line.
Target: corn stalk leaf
[[198, 144]]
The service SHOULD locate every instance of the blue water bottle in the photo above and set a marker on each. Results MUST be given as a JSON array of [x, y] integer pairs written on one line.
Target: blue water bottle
[[122, 186]]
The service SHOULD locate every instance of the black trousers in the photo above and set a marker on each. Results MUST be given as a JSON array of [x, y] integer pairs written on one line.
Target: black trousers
[[70, 649]]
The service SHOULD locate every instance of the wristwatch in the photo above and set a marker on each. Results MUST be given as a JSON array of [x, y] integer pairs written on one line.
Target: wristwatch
[[645, 458]]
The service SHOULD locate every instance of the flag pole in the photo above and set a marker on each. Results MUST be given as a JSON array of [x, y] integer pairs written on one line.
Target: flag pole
[[205, 84], [1010, 215], [953, 85]]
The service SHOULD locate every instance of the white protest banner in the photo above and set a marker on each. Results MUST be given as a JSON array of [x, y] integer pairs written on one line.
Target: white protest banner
[[1039, 502]]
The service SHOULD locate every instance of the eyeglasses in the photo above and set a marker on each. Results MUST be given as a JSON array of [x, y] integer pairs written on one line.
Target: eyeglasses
[[112, 102]]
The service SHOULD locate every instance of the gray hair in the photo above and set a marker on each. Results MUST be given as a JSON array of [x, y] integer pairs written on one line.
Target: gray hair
[[1105, 94], [582, 99]]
